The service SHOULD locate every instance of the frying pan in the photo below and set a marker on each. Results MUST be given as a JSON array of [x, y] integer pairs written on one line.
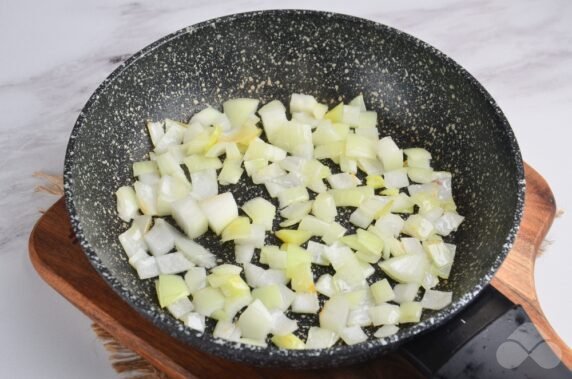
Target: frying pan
[[422, 97]]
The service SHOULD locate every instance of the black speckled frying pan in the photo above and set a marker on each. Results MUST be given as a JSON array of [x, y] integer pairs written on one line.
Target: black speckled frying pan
[[422, 97]]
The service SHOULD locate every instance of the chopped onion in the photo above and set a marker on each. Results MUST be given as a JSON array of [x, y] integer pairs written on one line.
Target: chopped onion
[[386, 331], [305, 303], [255, 322], [260, 211], [436, 300], [352, 335], [384, 314], [238, 110], [409, 268], [410, 312], [170, 288], [389, 154], [127, 207], [173, 263], [196, 278], [289, 341], [180, 307], [159, 239], [335, 313], [382, 291], [320, 338], [219, 210]]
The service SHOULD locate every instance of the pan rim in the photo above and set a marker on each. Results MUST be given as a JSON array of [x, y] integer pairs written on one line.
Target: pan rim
[[280, 357]]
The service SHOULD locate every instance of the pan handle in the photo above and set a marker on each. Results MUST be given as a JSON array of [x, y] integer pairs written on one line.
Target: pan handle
[[490, 338]]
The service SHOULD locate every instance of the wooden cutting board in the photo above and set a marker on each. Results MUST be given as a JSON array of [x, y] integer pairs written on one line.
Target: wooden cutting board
[[59, 260]]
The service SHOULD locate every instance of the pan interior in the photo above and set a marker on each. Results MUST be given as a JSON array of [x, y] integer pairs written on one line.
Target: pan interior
[[422, 98]]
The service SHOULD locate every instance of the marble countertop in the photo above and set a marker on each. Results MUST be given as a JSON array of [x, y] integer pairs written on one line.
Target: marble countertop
[[56, 52]]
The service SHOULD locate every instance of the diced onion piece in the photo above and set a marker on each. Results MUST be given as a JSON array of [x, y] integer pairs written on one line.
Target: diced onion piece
[[173, 263], [255, 321], [370, 166], [368, 121], [172, 137], [260, 211], [325, 285], [273, 257], [410, 312], [291, 236], [350, 115], [238, 229], [302, 103], [382, 291], [390, 225], [418, 157], [243, 253], [156, 131], [348, 164], [273, 116], [409, 268], [206, 117], [208, 300], [384, 314], [396, 178], [146, 198], [358, 102], [419, 227], [412, 245], [330, 150], [168, 165], [169, 190], [351, 197], [231, 172], [170, 288], [226, 330], [282, 325], [289, 341], [420, 175], [293, 195], [146, 268], [389, 154], [132, 241], [335, 114], [375, 181], [371, 243], [196, 278], [343, 181], [189, 217], [352, 335], [317, 251], [436, 300], [386, 331], [259, 149], [239, 110], [302, 278], [145, 167], [305, 303], [359, 147], [193, 131], [324, 207], [159, 239], [195, 321], [440, 254], [327, 133], [320, 338], [219, 210], [448, 223], [271, 296], [334, 314], [198, 163], [204, 184], [180, 307], [296, 211], [359, 316], [195, 252]]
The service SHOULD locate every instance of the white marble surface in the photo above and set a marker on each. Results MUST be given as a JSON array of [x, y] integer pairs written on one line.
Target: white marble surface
[[55, 52]]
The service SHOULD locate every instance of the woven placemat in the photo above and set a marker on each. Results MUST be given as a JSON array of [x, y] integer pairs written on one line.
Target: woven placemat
[[124, 361]]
